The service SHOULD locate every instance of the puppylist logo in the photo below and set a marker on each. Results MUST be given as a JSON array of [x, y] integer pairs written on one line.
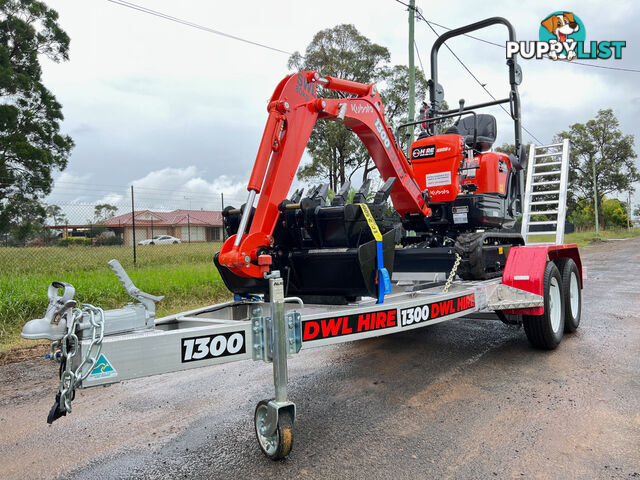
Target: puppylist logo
[[562, 37]]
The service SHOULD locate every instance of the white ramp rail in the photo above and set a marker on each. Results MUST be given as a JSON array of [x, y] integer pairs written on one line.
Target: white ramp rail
[[545, 198]]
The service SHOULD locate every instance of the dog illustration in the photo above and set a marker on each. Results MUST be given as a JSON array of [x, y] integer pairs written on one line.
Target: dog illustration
[[561, 25]]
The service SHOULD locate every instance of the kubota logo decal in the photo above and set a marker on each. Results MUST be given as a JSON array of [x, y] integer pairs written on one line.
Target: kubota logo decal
[[359, 108]]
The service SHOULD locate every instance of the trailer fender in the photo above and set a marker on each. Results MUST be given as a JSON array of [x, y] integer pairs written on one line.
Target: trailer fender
[[525, 269]]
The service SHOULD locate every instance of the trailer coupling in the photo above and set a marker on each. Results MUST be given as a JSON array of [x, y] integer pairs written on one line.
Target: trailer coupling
[[67, 325]]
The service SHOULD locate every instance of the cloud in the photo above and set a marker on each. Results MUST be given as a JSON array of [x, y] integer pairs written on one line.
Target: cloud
[[69, 187], [112, 199], [162, 97], [167, 189], [186, 187]]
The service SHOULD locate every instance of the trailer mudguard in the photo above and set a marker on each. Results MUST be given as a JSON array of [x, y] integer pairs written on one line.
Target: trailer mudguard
[[525, 269]]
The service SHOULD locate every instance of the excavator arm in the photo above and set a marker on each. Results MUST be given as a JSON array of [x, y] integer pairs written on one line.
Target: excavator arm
[[293, 110]]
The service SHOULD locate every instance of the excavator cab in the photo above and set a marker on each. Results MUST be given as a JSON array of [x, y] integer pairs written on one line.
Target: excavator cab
[[469, 185]]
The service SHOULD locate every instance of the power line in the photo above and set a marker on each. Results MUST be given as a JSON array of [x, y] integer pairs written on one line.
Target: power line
[[142, 9], [467, 68], [419, 59]]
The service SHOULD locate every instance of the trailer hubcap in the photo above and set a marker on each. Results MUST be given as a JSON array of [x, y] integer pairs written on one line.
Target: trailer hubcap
[[555, 305], [268, 443], [574, 295]]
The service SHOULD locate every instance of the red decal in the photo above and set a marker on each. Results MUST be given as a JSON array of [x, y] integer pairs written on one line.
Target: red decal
[[391, 318], [337, 327], [346, 329], [330, 327], [445, 307], [363, 322], [311, 330]]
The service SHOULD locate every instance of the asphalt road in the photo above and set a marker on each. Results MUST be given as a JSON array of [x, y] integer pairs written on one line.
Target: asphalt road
[[463, 399]]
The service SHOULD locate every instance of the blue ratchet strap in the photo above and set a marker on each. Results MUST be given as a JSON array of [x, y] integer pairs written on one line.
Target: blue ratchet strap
[[384, 281]]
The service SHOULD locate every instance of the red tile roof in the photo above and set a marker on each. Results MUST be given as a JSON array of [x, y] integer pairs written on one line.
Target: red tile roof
[[169, 219]]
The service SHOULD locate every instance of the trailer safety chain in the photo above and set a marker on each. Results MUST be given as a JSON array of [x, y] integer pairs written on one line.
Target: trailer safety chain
[[452, 275], [67, 348]]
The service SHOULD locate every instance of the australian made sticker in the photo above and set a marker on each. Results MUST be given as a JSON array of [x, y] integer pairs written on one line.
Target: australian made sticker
[[102, 369]]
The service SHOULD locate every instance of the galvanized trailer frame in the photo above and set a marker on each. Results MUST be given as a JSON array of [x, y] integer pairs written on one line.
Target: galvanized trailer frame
[[194, 339], [99, 347], [272, 331]]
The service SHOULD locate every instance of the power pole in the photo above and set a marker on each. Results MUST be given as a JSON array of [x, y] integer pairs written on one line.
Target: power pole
[[595, 198], [412, 73], [629, 210], [133, 225]]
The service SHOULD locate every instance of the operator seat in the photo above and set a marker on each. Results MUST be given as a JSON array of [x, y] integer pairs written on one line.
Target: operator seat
[[487, 131]]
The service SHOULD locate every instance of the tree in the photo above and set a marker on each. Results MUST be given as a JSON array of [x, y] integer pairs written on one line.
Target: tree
[[636, 211], [582, 214], [344, 53], [601, 142], [341, 52], [615, 213], [508, 148], [55, 213], [31, 145], [104, 211], [395, 98], [27, 219]]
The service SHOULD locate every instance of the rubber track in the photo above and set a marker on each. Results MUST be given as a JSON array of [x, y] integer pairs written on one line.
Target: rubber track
[[469, 247]]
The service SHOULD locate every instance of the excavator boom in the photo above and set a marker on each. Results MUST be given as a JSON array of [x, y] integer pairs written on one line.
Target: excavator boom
[[293, 110]]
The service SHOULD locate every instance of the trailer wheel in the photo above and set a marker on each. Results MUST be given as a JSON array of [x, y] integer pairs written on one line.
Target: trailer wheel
[[572, 293], [545, 331], [278, 445]]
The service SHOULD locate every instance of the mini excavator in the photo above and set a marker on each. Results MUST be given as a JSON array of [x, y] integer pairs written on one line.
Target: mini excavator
[[453, 196]]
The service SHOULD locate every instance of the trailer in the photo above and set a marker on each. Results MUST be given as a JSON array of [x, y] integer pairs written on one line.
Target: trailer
[[541, 289]]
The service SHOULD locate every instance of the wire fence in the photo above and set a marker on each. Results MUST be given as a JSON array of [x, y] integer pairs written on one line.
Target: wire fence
[[166, 240], [144, 226]]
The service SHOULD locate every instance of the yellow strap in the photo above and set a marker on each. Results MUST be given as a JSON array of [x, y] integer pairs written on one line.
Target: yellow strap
[[372, 223]]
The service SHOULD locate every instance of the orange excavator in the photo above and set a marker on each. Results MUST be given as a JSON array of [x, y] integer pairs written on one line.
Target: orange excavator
[[454, 196]]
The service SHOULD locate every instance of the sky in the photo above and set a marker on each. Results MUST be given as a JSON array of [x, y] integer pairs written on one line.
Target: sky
[[179, 112]]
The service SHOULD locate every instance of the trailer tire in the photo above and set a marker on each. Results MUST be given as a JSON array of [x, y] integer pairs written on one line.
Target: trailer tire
[[278, 445], [545, 331], [572, 293]]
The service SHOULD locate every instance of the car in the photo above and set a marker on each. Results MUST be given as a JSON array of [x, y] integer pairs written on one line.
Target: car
[[160, 240]]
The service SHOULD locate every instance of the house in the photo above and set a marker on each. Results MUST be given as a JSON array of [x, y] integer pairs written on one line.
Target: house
[[188, 225]]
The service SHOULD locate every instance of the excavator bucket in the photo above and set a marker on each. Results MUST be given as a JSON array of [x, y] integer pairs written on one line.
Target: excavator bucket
[[339, 272], [332, 275], [324, 253]]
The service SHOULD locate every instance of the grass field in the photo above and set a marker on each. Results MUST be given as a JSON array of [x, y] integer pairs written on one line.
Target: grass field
[[184, 273], [585, 238]]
